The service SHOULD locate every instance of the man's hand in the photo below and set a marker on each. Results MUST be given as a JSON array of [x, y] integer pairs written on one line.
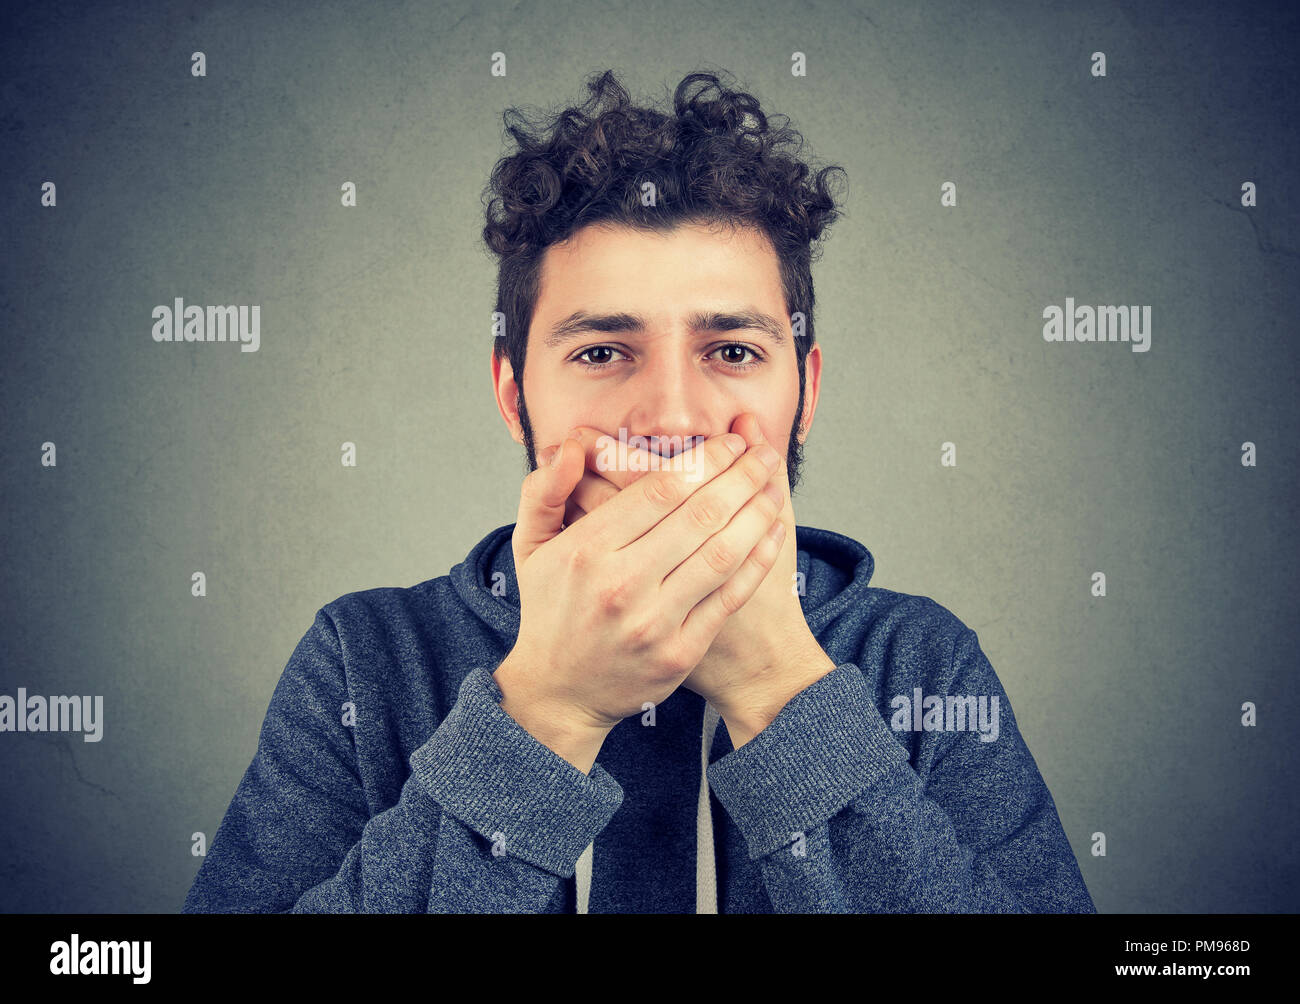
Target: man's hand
[[619, 608], [764, 653]]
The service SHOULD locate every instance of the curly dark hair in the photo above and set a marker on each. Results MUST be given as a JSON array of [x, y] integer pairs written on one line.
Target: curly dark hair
[[717, 160]]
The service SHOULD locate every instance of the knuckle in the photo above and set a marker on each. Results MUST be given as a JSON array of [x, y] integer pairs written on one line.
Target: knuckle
[[579, 559], [614, 596], [720, 454], [765, 555], [756, 474], [719, 556], [641, 631], [531, 487], [662, 490], [731, 600], [705, 513], [670, 665]]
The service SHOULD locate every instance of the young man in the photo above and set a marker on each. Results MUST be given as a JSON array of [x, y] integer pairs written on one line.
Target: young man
[[539, 730]]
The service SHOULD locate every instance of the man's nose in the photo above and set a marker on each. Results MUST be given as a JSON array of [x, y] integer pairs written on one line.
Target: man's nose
[[672, 405]]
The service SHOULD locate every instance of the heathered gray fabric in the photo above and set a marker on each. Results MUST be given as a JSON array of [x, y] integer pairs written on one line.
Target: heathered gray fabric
[[828, 809]]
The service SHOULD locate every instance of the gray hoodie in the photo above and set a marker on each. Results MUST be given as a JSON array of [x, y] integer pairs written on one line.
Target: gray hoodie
[[387, 777]]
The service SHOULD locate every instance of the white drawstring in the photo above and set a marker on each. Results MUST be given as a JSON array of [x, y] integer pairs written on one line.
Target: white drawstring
[[706, 881], [583, 876]]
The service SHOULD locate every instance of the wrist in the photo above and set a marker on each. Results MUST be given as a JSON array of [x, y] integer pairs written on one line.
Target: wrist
[[559, 728], [755, 709]]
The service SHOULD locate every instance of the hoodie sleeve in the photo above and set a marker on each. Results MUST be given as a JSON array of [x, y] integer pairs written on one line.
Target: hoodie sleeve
[[840, 820], [488, 821]]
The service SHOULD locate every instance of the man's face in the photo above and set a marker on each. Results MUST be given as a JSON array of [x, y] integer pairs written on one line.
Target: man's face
[[660, 335]]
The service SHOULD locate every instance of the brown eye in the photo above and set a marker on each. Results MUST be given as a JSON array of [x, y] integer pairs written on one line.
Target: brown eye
[[733, 356]]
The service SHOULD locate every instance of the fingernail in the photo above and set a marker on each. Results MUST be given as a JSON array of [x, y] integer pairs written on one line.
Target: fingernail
[[769, 457], [555, 460], [777, 532], [735, 443]]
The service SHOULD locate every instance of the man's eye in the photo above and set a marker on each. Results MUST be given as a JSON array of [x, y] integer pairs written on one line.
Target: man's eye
[[734, 355], [601, 354]]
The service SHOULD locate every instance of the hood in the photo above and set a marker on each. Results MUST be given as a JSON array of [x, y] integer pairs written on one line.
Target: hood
[[835, 571]]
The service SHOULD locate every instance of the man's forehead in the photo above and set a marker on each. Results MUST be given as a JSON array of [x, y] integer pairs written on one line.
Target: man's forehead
[[594, 247], [615, 278]]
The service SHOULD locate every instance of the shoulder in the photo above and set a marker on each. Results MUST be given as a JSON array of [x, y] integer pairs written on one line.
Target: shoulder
[[387, 608], [912, 640], [370, 633]]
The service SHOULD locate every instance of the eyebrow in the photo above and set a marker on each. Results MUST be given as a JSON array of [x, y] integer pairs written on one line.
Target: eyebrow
[[581, 322]]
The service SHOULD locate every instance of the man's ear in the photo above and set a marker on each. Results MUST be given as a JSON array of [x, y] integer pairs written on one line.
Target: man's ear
[[812, 370], [507, 394]]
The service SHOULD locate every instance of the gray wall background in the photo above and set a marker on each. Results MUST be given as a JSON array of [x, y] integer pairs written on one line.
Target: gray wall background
[[1072, 458]]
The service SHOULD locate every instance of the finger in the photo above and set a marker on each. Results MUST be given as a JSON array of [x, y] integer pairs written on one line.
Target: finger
[[717, 558], [593, 489], [621, 462], [572, 513], [542, 501], [706, 512], [544, 458], [643, 504], [708, 616], [606, 459], [746, 424], [597, 485], [592, 492], [584, 434]]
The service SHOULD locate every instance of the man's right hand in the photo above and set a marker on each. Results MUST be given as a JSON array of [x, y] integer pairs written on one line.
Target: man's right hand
[[619, 608]]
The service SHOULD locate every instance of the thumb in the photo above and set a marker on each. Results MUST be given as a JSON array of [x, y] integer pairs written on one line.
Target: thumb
[[542, 500]]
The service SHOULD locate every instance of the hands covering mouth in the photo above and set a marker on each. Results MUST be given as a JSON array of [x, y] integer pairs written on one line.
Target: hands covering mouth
[[626, 594]]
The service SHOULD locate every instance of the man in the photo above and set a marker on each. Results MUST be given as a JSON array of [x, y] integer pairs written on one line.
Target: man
[[538, 730]]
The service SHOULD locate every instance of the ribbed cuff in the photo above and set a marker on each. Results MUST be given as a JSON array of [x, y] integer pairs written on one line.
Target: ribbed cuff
[[485, 769], [825, 748]]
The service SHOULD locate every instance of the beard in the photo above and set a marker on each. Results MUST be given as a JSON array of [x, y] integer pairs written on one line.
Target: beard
[[793, 453]]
